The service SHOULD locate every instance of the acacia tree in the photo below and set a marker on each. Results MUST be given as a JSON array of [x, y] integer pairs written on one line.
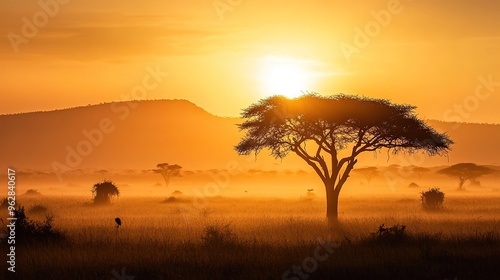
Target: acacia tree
[[328, 133], [466, 171], [420, 171], [168, 171], [368, 172], [103, 173]]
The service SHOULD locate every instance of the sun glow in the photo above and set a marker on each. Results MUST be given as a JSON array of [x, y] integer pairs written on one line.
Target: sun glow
[[283, 77]]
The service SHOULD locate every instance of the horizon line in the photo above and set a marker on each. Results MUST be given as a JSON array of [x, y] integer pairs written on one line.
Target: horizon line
[[186, 100]]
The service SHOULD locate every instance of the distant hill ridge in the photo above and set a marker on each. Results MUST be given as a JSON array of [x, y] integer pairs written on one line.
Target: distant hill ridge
[[188, 104], [140, 134], [178, 101]]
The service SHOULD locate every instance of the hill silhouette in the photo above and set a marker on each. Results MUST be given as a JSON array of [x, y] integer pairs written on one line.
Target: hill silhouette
[[140, 134], [136, 135]]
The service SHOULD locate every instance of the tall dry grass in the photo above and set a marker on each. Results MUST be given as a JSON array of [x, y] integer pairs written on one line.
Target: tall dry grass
[[162, 241]]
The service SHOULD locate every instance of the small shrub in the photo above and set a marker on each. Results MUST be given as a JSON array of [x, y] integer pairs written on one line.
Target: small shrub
[[218, 235], [32, 192], [30, 231], [171, 200], [413, 185], [4, 203], [176, 196], [103, 192], [176, 193], [432, 199], [394, 234]]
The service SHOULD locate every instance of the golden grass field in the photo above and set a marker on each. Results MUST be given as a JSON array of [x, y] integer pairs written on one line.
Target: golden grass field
[[266, 236]]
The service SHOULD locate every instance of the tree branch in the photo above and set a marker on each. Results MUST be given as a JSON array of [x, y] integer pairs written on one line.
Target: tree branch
[[345, 175], [308, 159]]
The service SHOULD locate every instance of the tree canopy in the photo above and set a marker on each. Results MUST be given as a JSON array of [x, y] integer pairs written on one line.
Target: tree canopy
[[284, 125]]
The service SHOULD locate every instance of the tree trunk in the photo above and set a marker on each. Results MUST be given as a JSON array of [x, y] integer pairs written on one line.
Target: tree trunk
[[461, 184], [167, 180], [332, 204]]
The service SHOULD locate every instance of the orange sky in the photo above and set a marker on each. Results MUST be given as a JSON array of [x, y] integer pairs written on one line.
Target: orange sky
[[432, 54]]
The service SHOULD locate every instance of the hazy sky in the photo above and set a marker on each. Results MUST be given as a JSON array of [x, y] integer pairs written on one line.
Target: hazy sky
[[439, 55]]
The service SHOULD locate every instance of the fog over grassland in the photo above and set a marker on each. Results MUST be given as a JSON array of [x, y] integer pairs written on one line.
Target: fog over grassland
[[97, 184]]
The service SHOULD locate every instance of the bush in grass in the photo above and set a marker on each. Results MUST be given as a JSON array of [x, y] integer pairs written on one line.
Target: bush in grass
[[394, 234], [218, 235], [175, 197], [32, 192], [171, 199], [30, 231], [176, 193], [432, 199], [413, 185], [103, 192], [4, 203]]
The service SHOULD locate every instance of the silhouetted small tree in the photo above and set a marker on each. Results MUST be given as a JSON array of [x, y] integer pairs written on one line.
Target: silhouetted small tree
[[103, 172], [368, 172], [318, 128], [310, 193], [420, 171], [466, 171], [103, 192], [168, 171]]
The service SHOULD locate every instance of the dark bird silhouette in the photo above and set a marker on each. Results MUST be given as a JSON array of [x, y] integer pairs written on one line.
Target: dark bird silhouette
[[118, 222]]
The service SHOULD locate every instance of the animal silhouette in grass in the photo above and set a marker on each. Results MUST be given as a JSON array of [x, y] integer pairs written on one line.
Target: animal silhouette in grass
[[317, 128], [118, 222], [103, 192]]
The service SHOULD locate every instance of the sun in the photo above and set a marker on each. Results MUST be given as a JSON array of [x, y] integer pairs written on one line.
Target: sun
[[284, 77]]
